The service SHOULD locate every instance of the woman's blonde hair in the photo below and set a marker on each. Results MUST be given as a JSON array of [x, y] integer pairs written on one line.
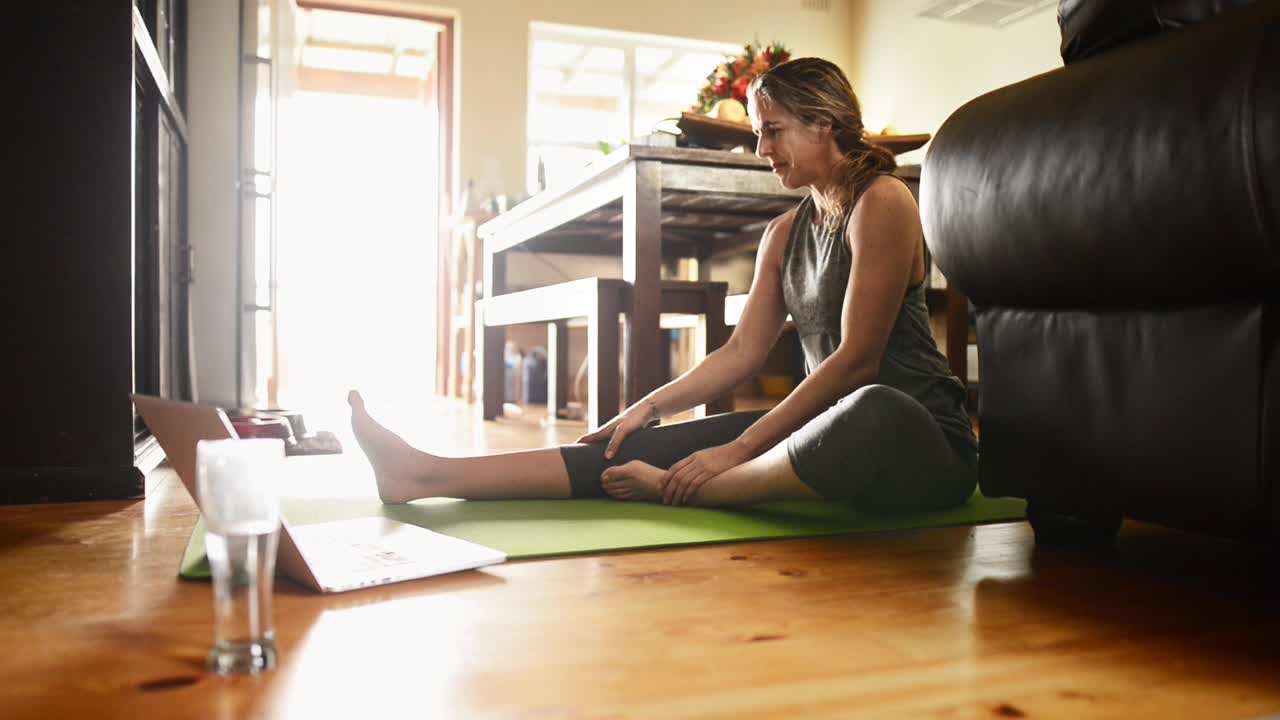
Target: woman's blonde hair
[[816, 91]]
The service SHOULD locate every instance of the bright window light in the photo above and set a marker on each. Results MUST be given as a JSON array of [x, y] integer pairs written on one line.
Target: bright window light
[[594, 84], [650, 59], [608, 59], [347, 60], [591, 87], [414, 66], [554, 54], [545, 80]]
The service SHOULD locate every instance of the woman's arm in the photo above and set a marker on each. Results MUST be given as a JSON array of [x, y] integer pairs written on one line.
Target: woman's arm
[[720, 371], [884, 234], [756, 332]]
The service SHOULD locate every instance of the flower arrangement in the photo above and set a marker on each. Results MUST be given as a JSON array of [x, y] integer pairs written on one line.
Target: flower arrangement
[[730, 79]]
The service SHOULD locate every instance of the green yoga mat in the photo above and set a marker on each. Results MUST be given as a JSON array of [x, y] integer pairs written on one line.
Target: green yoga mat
[[547, 528]]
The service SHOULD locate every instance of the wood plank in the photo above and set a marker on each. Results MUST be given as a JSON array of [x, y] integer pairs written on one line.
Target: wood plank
[[697, 156], [943, 623], [641, 266], [604, 350], [558, 370], [691, 297], [746, 240], [574, 241], [490, 341], [548, 209], [573, 298], [723, 203], [603, 170], [712, 219], [599, 300], [958, 333], [714, 333], [726, 181], [698, 203]]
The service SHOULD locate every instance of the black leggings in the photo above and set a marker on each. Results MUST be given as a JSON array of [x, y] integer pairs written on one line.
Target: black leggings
[[878, 448]]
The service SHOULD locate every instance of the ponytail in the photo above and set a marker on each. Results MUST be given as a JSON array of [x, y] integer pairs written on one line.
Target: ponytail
[[859, 164]]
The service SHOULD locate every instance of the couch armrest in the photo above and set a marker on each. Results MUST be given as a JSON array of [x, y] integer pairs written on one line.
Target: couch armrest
[[1149, 175]]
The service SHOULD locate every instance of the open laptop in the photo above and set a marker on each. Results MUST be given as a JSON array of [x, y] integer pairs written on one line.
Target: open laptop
[[326, 557]]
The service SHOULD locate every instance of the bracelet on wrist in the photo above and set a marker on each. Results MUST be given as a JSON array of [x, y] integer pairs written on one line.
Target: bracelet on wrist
[[653, 409]]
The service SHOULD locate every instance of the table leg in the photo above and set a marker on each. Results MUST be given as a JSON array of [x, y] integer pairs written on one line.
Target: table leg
[[642, 267], [602, 359], [557, 367], [491, 340], [489, 347], [668, 337], [715, 333]]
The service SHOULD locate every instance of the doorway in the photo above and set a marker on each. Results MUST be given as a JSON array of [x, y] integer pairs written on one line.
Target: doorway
[[361, 188]]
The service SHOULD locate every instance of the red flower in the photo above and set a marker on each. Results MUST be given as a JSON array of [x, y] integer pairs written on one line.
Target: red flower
[[734, 74]]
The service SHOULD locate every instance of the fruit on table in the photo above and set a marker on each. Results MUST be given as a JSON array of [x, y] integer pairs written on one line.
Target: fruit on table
[[731, 110]]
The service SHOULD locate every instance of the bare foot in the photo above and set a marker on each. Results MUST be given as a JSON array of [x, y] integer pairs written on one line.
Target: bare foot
[[402, 471], [633, 481]]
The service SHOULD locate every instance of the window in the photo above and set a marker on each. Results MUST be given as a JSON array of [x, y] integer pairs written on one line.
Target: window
[[590, 88]]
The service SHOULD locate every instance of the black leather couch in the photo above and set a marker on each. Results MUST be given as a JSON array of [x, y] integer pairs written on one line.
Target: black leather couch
[[1116, 224]]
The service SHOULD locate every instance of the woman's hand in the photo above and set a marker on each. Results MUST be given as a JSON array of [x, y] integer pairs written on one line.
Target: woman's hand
[[685, 477], [616, 430]]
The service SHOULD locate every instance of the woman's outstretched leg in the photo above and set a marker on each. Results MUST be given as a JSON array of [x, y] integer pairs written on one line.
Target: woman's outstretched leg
[[405, 473]]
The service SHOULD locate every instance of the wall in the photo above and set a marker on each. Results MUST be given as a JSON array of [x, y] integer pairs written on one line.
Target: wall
[[911, 73], [212, 116]]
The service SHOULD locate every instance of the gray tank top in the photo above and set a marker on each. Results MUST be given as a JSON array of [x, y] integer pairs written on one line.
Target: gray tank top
[[815, 275]]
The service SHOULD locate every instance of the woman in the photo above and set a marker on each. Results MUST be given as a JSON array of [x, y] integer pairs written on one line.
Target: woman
[[879, 421]]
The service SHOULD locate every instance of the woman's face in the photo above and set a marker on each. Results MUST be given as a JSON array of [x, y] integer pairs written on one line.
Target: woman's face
[[800, 154]]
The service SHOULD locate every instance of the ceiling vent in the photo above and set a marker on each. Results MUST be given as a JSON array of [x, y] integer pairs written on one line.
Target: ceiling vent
[[987, 13], [818, 5]]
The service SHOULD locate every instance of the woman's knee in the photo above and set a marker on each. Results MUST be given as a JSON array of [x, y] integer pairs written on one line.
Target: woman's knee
[[882, 450], [878, 408], [876, 394]]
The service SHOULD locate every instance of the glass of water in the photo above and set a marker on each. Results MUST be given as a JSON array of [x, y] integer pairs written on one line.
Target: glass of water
[[236, 480]]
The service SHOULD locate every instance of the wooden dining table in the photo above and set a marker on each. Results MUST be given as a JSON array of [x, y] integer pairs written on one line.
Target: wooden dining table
[[649, 205]]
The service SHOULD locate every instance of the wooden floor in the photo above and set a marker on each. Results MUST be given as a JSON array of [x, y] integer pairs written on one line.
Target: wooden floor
[[946, 623]]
